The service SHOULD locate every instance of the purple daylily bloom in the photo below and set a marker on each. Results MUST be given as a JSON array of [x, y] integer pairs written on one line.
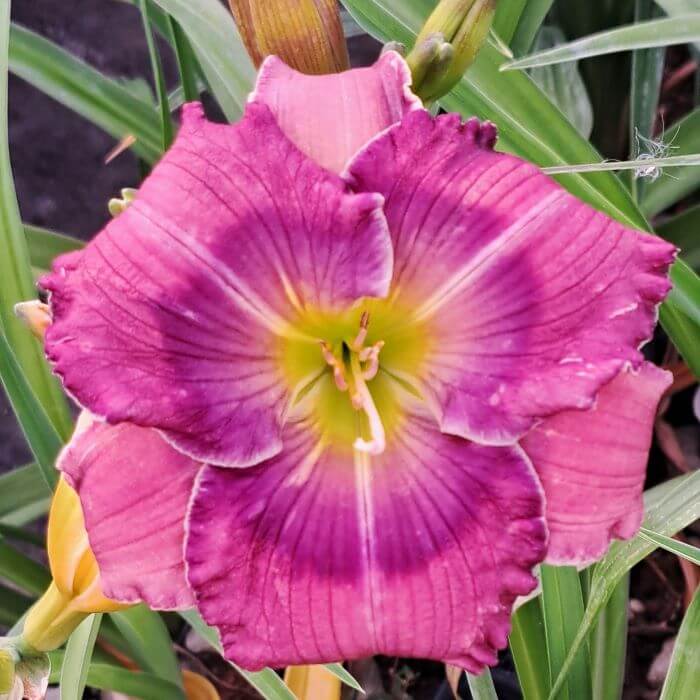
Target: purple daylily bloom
[[359, 374]]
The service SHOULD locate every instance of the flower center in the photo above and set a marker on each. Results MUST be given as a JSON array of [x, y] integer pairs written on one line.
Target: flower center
[[358, 364]]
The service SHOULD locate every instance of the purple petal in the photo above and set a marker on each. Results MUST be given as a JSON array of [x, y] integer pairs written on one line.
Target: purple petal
[[592, 465], [330, 117], [134, 490], [317, 555], [531, 300], [172, 316]]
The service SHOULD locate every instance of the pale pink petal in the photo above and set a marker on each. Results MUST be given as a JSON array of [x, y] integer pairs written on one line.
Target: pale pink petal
[[172, 316], [592, 465], [317, 555], [134, 490], [329, 117], [530, 300]]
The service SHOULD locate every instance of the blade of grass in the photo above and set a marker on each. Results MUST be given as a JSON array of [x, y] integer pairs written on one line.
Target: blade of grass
[[16, 281], [218, 46], [166, 123], [345, 676], [21, 487], [23, 572], [642, 35], [608, 645], [690, 159], [27, 514], [44, 245], [41, 435], [669, 508], [481, 686], [529, 24], [266, 682], [150, 641], [683, 679], [680, 138], [186, 62], [682, 549], [562, 611], [106, 676], [83, 89], [528, 647], [76, 661], [647, 71]]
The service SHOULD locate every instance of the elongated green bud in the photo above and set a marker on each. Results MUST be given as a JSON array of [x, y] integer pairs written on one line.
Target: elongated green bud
[[448, 44]]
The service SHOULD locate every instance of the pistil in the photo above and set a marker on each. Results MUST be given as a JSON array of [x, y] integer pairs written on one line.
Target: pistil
[[362, 400]]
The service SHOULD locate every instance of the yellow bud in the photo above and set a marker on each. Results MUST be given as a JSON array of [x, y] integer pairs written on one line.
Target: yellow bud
[[312, 683], [305, 34], [197, 687], [35, 315], [464, 25], [75, 591]]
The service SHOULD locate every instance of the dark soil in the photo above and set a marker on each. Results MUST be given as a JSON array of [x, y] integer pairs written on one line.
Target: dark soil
[[62, 183]]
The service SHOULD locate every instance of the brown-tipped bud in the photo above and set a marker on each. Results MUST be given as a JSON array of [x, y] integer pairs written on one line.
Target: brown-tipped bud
[[448, 44], [35, 315], [305, 34]]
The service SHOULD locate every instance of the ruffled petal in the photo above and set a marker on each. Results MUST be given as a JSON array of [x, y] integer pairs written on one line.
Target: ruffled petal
[[134, 490], [592, 465], [172, 316], [531, 301], [318, 555], [330, 117]]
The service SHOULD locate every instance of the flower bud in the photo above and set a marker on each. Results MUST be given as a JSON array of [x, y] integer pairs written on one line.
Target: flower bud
[[461, 24], [35, 315], [305, 34], [312, 683], [75, 590]]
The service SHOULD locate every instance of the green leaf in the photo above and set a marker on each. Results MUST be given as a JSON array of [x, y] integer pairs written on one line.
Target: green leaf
[[150, 641], [105, 676], [186, 62], [80, 87], [76, 661], [45, 245], [647, 71], [22, 571], [16, 280], [608, 645], [21, 487], [166, 124], [533, 128], [345, 676], [691, 159], [683, 679], [642, 35], [507, 18], [669, 508], [562, 608], [218, 46], [481, 686], [682, 231], [528, 645], [529, 24], [41, 435], [682, 549], [266, 682], [564, 85], [681, 138]]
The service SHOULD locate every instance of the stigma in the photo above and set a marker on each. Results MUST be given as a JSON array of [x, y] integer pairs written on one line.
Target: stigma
[[358, 364]]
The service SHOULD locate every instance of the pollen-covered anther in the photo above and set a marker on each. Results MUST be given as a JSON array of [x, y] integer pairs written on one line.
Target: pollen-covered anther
[[370, 356]]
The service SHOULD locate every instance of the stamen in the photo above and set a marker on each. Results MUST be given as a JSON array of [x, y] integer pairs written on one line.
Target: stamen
[[370, 355], [361, 336], [361, 394], [336, 365]]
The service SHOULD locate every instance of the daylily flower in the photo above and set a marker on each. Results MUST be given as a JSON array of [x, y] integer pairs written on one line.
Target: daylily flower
[[357, 374]]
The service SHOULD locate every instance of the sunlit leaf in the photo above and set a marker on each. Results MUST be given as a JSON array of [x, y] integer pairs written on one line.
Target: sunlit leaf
[[76, 661]]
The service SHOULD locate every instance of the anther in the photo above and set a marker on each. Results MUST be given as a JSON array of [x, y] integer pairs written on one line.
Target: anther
[[361, 336], [370, 355]]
